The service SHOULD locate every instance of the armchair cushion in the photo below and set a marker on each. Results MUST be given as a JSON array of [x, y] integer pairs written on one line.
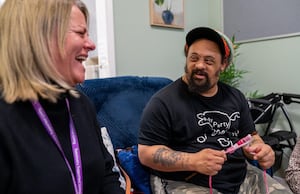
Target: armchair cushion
[[119, 103]]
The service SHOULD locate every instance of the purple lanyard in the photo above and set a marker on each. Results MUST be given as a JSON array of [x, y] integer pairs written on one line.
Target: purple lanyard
[[77, 182]]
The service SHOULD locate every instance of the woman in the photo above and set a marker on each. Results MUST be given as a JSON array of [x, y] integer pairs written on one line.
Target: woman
[[50, 140]]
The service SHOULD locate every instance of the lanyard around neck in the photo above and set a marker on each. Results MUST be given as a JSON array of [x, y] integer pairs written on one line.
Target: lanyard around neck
[[78, 177]]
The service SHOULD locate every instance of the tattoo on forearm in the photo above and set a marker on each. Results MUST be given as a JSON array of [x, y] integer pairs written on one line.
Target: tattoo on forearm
[[167, 157]]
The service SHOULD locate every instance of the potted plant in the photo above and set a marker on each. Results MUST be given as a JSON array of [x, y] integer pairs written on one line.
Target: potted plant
[[167, 15]]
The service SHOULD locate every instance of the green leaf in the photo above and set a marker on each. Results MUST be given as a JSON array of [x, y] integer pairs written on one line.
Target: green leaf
[[254, 94], [159, 2]]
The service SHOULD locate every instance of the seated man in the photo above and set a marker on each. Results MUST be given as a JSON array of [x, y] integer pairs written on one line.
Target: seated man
[[187, 126]]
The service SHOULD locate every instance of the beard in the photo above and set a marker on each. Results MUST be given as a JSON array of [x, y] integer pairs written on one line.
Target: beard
[[198, 86]]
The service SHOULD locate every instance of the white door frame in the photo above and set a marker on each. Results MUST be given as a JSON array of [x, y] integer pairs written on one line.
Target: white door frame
[[105, 38]]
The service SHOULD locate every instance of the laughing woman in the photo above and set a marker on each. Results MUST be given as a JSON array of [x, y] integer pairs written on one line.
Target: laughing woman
[[50, 140]]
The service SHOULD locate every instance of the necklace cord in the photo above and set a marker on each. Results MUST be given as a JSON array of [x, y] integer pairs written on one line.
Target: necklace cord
[[77, 178]]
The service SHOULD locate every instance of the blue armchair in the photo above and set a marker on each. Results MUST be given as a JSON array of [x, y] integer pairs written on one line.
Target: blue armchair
[[119, 103]]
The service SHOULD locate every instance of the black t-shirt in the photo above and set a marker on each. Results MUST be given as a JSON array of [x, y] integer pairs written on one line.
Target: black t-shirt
[[188, 122]]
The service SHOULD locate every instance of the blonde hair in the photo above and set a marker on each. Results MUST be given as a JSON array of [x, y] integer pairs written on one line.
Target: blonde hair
[[28, 28]]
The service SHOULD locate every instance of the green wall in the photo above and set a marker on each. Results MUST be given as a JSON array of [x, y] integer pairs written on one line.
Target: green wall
[[156, 51], [142, 49]]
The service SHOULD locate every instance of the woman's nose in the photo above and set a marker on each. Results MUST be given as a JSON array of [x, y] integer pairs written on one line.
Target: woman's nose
[[90, 45]]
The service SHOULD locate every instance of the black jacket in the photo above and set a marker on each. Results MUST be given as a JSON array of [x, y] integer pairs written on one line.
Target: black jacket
[[31, 163]]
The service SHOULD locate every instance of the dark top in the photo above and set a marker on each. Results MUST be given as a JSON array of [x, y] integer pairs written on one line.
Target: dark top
[[31, 163], [188, 122]]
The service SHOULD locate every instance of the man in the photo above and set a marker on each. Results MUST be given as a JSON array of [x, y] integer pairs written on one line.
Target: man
[[187, 126]]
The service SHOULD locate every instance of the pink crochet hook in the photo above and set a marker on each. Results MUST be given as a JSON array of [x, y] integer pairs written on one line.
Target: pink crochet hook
[[241, 143]]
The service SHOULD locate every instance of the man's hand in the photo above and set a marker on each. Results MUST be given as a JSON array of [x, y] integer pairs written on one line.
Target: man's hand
[[261, 152], [208, 161]]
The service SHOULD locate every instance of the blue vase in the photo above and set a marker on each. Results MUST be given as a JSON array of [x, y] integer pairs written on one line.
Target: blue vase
[[167, 16]]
